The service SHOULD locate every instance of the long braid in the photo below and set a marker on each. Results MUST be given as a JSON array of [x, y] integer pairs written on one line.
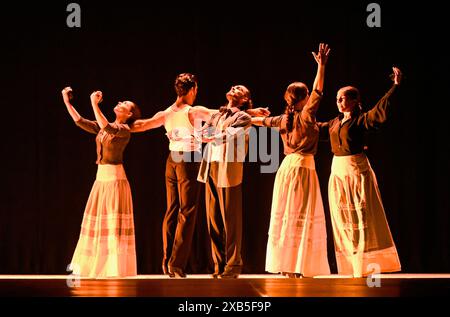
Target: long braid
[[289, 111], [295, 93]]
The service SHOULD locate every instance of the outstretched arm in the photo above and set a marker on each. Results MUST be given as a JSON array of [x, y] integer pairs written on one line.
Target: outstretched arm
[[321, 58], [258, 121], [373, 118], [96, 98], [66, 93], [237, 128], [270, 122], [205, 114], [142, 125], [259, 112], [202, 113]]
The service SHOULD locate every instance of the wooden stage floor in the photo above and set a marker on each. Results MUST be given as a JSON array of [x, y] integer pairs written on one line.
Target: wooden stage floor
[[196, 286]]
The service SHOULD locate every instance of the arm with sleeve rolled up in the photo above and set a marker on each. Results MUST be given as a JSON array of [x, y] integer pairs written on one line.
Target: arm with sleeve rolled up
[[205, 114], [270, 122]]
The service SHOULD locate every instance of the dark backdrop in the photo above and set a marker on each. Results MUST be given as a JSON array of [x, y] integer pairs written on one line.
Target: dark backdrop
[[134, 51]]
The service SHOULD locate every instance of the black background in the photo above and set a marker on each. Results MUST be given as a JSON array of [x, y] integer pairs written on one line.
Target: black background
[[133, 51]]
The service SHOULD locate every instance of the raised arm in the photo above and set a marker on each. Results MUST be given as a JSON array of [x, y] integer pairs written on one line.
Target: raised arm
[[142, 125], [309, 110], [397, 75], [66, 94], [378, 114], [259, 112], [321, 58], [96, 98], [86, 125]]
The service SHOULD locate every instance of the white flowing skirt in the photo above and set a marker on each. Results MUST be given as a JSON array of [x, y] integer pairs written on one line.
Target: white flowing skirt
[[297, 235], [363, 241], [106, 246]]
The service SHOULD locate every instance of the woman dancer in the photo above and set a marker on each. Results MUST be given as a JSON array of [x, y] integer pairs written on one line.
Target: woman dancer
[[363, 241], [106, 246], [297, 243]]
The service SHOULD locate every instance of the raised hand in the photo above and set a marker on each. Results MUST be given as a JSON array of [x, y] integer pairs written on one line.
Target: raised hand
[[322, 55], [67, 94], [96, 97], [397, 75]]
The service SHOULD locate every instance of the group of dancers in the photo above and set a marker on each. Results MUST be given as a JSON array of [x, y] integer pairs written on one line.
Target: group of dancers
[[297, 242]]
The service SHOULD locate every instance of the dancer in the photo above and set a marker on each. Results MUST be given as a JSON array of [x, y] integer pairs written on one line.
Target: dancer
[[221, 170], [182, 168], [363, 241], [297, 244], [106, 246]]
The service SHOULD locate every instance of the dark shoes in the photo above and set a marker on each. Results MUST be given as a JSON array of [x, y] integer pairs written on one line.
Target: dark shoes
[[176, 272], [225, 272], [228, 275], [225, 275], [173, 271], [292, 275]]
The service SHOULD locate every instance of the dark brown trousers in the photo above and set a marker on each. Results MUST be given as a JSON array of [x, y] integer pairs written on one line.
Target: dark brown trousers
[[224, 213], [183, 191]]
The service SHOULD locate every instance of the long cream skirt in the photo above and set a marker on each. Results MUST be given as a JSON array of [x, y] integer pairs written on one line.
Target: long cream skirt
[[106, 246], [363, 241], [297, 234]]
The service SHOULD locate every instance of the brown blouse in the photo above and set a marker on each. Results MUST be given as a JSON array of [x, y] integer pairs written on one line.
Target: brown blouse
[[348, 138], [111, 140], [305, 133]]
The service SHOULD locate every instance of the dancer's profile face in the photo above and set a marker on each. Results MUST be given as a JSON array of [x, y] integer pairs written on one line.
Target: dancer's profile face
[[123, 109], [344, 103]]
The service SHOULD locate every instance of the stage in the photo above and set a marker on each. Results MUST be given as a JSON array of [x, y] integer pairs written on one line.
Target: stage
[[383, 285]]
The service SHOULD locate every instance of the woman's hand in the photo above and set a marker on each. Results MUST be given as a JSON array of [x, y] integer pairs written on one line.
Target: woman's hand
[[96, 97], [259, 112], [322, 55], [67, 94]]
